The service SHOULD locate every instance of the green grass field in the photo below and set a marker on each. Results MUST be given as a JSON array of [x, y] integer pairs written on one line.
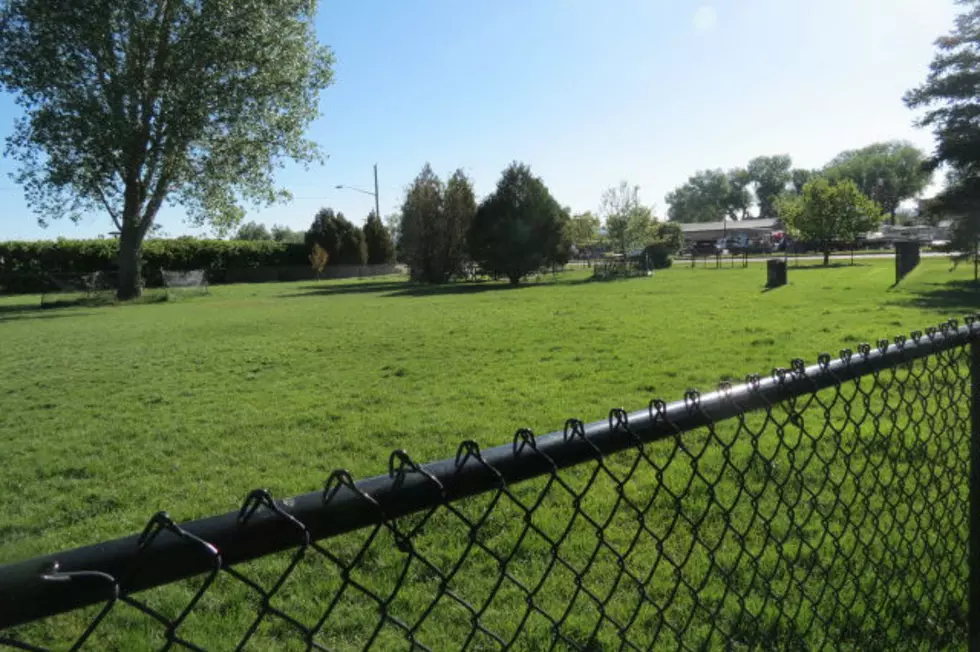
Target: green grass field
[[110, 414]]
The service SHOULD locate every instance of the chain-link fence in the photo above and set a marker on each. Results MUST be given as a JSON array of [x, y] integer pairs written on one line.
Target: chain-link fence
[[821, 507]]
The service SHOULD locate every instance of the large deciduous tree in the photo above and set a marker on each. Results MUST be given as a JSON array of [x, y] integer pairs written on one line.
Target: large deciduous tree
[[130, 103], [628, 221], [771, 175], [951, 99], [739, 199], [253, 231], [826, 211], [888, 173], [710, 196], [800, 177], [282, 233], [519, 228], [582, 229]]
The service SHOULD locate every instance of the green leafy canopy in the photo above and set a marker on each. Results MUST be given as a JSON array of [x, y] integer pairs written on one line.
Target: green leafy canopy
[[519, 228], [128, 103], [828, 211]]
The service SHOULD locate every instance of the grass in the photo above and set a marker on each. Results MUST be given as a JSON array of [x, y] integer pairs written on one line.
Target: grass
[[113, 413]]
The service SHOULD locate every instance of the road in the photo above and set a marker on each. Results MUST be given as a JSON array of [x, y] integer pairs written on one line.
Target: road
[[726, 258]]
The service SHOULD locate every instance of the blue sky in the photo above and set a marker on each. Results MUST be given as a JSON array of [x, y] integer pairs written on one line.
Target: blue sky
[[587, 92]]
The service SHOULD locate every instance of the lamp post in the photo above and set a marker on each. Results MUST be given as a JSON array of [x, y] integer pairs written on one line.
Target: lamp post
[[377, 206]]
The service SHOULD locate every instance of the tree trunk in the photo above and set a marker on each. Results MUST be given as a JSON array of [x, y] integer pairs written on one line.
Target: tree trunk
[[515, 279], [826, 257], [130, 276]]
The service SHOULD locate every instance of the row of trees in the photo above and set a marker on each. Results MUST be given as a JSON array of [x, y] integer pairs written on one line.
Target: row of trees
[[343, 242], [629, 225], [518, 229], [346, 243], [888, 173], [847, 197], [256, 232]]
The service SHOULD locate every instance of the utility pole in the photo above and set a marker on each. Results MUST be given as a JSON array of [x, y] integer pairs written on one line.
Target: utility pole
[[377, 202]]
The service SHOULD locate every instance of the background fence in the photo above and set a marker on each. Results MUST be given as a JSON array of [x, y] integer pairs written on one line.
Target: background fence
[[819, 507]]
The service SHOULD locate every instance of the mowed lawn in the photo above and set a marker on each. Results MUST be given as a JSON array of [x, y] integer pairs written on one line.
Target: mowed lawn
[[109, 414]]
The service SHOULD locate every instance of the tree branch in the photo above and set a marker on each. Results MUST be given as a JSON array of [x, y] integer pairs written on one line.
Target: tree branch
[[112, 213]]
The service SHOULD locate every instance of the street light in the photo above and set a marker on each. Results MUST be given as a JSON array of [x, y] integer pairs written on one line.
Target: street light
[[377, 206]]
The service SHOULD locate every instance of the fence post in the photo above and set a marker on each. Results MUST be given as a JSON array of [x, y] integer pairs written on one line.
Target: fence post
[[973, 596]]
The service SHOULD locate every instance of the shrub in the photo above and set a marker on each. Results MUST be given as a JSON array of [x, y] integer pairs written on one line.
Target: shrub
[[343, 241], [657, 256], [319, 259], [23, 263], [380, 249]]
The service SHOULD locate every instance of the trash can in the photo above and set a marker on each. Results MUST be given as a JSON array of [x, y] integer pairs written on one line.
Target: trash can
[[776, 273]]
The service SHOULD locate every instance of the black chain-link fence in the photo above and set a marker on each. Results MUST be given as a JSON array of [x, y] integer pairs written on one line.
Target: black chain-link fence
[[821, 507]]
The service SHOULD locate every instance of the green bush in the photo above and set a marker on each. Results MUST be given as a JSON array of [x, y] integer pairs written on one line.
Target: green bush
[[657, 255], [343, 241], [22, 264]]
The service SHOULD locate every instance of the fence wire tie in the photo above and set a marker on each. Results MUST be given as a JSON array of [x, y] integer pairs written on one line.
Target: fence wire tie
[[798, 365], [824, 361], [846, 355], [401, 464], [658, 410], [916, 336], [864, 349], [574, 428], [470, 449], [692, 400], [158, 523], [161, 521], [524, 437], [619, 420], [725, 389], [342, 478], [262, 498]]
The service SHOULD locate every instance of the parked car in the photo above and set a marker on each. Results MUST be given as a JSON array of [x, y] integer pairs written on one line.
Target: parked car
[[704, 248]]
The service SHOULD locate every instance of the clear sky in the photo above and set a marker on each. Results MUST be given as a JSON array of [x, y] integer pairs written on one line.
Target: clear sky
[[587, 92]]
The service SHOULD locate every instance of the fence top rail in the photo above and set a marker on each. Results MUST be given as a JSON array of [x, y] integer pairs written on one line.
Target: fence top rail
[[167, 552]]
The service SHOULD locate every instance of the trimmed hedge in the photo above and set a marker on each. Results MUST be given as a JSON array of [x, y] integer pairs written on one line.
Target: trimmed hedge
[[22, 264]]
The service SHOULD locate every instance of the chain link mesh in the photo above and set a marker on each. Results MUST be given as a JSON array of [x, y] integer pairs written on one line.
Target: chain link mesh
[[832, 519]]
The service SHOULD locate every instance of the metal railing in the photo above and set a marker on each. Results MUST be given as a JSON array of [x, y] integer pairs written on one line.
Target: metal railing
[[824, 506]]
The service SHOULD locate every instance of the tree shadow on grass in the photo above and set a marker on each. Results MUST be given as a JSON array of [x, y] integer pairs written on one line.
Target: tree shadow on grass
[[948, 297], [806, 268], [367, 287], [37, 311], [412, 289]]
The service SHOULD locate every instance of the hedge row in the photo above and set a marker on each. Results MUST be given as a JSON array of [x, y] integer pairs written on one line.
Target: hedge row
[[23, 264]]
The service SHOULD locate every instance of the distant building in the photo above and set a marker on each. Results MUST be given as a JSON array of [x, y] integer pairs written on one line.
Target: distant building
[[739, 231], [923, 233]]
